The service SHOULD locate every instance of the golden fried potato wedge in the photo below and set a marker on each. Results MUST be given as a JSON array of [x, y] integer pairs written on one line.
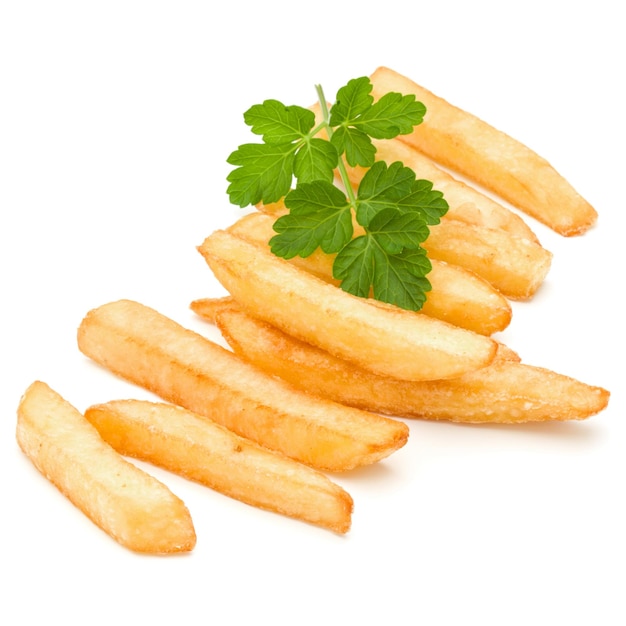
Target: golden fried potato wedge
[[465, 202], [458, 296], [464, 143], [209, 308], [383, 338], [515, 266], [182, 367], [201, 450], [134, 508], [505, 392]]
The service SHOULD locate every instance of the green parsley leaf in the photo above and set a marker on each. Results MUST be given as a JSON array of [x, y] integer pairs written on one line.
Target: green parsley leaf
[[319, 217], [393, 115], [355, 144], [375, 264], [265, 173], [396, 185], [396, 231], [382, 186], [425, 200], [315, 160], [391, 205], [358, 118], [403, 280], [278, 123], [352, 101]]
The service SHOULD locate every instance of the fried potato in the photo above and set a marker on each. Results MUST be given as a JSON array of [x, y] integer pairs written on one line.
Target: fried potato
[[505, 392], [458, 296], [201, 450], [465, 202], [209, 308], [515, 266], [464, 143], [134, 508], [379, 337], [182, 367]]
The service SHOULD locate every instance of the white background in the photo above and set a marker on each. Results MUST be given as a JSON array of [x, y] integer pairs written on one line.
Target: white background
[[116, 119]]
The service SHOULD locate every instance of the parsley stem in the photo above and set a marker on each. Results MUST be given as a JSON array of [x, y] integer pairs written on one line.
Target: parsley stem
[[341, 166]]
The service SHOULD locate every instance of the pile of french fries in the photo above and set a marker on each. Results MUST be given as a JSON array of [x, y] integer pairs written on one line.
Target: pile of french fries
[[317, 380]]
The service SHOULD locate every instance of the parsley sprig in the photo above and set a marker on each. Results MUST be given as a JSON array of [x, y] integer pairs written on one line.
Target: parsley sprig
[[376, 230]]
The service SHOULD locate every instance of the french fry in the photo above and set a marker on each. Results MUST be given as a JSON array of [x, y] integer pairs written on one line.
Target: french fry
[[209, 309], [458, 296], [464, 143], [201, 450], [505, 392], [465, 202], [182, 367], [515, 266], [134, 508], [383, 338]]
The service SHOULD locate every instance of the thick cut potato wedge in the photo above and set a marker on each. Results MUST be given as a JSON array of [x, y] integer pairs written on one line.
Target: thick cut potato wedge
[[182, 367], [458, 296], [382, 338], [515, 266], [506, 392], [209, 308], [465, 202], [462, 142], [134, 508], [200, 449]]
